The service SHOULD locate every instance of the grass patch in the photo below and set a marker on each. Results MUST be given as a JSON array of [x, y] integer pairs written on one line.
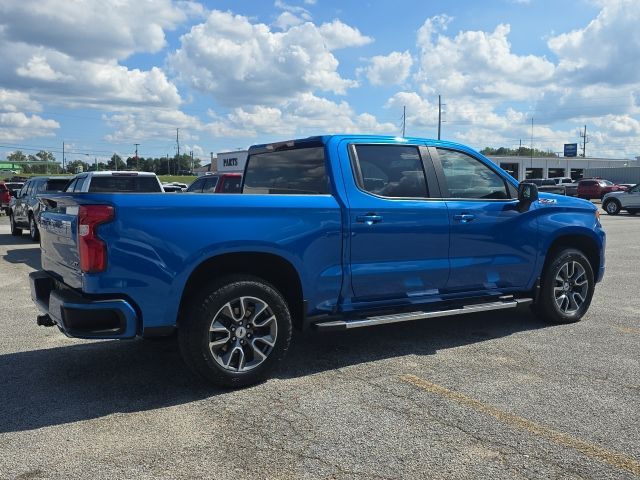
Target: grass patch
[[177, 178]]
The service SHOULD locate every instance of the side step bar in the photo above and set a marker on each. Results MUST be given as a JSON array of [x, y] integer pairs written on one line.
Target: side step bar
[[409, 316]]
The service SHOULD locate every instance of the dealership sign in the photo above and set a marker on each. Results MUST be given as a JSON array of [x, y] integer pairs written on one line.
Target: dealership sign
[[232, 161], [570, 149]]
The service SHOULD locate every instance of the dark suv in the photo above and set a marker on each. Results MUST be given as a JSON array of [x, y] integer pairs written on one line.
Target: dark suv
[[25, 209]]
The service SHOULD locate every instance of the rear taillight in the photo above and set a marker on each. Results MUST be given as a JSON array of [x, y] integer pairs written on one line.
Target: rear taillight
[[93, 251]]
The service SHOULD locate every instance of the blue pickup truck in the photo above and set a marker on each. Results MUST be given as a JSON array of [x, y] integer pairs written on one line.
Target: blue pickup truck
[[329, 233]]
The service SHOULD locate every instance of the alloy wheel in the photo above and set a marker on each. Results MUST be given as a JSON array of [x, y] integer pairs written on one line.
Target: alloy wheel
[[242, 334], [612, 207], [571, 287]]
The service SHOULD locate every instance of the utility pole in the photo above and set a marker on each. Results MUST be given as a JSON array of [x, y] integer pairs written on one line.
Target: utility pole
[[519, 148], [211, 163], [585, 140], [404, 120], [532, 143], [137, 161], [178, 140], [167, 164], [191, 161], [439, 115], [62, 157]]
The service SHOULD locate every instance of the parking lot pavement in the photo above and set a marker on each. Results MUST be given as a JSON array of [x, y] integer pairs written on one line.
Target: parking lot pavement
[[483, 396]]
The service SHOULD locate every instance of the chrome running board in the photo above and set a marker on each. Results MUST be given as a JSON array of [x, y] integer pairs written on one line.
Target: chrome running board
[[419, 315]]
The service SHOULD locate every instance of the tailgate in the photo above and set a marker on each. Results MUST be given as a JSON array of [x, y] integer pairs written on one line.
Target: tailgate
[[59, 236]]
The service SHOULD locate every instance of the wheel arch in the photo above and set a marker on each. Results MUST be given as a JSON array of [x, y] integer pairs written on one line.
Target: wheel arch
[[579, 241], [270, 267]]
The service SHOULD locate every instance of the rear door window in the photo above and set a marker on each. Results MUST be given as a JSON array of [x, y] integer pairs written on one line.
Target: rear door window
[[232, 185], [210, 185], [300, 171], [394, 171], [122, 183], [196, 186]]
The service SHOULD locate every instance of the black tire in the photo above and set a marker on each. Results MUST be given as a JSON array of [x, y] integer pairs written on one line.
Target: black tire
[[205, 307], [34, 233], [15, 231], [546, 306], [612, 207]]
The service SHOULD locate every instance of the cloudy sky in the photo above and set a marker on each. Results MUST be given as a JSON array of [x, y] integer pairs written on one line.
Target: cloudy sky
[[101, 75]]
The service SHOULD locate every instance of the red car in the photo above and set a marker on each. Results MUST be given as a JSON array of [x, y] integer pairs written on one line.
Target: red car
[[219, 183], [5, 197], [597, 188]]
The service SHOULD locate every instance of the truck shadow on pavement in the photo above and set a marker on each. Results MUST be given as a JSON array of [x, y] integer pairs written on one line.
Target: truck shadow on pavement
[[94, 379], [28, 256]]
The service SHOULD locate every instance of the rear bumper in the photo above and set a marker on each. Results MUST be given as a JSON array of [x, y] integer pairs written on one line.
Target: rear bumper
[[80, 316]]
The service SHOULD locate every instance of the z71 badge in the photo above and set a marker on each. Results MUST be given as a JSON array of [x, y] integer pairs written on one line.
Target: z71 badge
[[547, 201]]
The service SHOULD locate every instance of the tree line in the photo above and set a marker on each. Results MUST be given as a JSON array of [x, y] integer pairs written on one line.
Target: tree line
[[177, 165], [516, 152]]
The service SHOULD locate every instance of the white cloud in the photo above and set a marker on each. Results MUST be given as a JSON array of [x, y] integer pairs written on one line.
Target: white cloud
[[392, 69], [75, 60], [286, 20], [477, 63], [340, 35], [606, 50], [93, 29], [307, 114], [241, 63], [158, 123], [16, 121]]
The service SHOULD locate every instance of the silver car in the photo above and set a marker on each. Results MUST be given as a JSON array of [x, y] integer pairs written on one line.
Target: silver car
[[628, 200]]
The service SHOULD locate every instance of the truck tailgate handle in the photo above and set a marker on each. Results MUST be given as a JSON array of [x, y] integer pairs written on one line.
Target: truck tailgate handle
[[464, 217], [369, 218]]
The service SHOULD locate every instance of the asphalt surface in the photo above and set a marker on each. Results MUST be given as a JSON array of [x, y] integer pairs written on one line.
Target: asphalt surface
[[485, 396]]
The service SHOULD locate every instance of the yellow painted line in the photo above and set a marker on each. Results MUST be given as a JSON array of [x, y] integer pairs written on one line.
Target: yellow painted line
[[611, 458]]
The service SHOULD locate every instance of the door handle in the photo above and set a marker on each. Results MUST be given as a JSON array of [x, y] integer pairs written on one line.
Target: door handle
[[369, 218], [464, 217]]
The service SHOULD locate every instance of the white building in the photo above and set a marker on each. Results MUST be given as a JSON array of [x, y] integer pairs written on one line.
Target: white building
[[523, 168]]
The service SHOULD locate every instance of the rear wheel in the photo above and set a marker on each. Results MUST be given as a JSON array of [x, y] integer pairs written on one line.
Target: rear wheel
[[15, 231], [567, 287], [235, 331], [612, 207], [34, 233]]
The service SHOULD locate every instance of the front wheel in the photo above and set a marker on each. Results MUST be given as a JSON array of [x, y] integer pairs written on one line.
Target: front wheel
[[235, 331], [15, 231], [612, 207], [567, 287], [34, 233]]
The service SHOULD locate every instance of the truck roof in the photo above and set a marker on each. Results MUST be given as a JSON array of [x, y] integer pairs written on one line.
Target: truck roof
[[118, 172], [320, 140]]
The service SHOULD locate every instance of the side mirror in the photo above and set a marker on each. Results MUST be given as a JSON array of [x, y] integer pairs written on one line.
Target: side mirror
[[527, 193]]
